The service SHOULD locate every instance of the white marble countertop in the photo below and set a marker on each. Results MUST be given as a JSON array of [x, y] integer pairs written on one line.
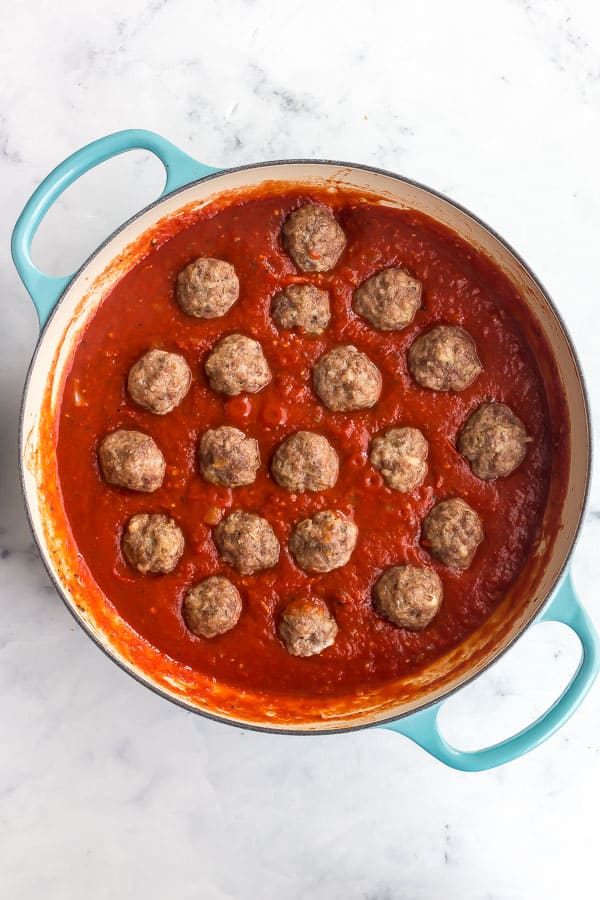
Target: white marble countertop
[[107, 791]]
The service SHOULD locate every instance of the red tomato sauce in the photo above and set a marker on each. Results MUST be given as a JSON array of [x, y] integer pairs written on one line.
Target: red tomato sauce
[[460, 286]]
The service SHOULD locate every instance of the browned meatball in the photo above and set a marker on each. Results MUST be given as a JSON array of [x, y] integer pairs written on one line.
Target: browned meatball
[[400, 454], [212, 607], [494, 441], [237, 364], [389, 299], [346, 379], [131, 460], [159, 381], [452, 532], [302, 306], [313, 238], [323, 542], [305, 462], [247, 542], [306, 627], [444, 359], [153, 543], [207, 288], [228, 457], [408, 596]]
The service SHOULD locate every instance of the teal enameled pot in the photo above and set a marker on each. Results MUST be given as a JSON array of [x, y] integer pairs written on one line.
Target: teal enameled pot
[[412, 706]]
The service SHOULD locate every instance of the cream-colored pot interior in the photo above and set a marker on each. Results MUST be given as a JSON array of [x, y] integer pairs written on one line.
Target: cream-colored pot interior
[[83, 597]]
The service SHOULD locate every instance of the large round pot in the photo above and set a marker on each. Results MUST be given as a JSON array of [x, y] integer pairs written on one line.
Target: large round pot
[[412, 705]]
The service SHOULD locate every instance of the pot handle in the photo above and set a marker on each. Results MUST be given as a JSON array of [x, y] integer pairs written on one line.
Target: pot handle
[[422, 726], [180, 169]]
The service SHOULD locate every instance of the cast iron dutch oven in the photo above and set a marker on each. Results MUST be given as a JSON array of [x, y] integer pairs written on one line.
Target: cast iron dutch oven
[[65, 304]]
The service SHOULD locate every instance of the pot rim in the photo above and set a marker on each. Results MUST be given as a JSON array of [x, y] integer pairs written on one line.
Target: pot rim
[[265, 728]]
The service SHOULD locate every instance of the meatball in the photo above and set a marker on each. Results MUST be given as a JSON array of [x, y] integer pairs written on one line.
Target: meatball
[[389, 299], [247, 542], [237, 364], [302, 306], [306, 627], [408, 596], [305, 462], [131, 460], [346, 379], [313, 238], [212, 607], [444, 359], [159, 381], [153, 543], [494, 441], [207, 288], [452, 532], [323, 542], [228, 457], [400, 454]]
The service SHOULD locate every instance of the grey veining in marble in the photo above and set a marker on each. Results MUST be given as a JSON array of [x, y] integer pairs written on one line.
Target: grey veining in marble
[[106, 791]]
